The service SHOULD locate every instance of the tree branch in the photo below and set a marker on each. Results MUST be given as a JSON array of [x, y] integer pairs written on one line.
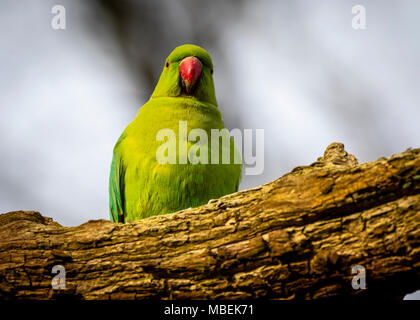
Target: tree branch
[[296, 237]]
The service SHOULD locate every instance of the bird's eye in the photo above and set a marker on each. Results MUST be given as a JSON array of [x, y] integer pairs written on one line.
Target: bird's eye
[[167, 64], [211, 71]]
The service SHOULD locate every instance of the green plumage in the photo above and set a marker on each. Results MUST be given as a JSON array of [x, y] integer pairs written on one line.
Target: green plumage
[[139, 186]]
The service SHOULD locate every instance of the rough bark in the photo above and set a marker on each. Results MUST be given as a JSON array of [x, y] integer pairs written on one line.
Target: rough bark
[[296, 237]]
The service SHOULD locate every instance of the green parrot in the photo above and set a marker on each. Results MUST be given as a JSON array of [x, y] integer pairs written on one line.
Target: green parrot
[[184, 99]]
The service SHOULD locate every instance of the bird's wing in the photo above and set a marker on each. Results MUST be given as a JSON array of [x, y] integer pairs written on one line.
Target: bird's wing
[[116, 185]]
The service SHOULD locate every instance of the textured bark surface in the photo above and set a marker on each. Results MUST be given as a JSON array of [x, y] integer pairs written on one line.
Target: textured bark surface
[[296, 237]]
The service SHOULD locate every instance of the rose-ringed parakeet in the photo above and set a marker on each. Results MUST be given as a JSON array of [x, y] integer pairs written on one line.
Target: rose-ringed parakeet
[[184, 99]]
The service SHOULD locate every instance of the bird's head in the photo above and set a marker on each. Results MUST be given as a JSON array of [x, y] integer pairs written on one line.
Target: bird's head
[[188, 71]]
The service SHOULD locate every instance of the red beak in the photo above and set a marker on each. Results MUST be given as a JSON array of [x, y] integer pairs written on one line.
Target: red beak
[[190, 70]]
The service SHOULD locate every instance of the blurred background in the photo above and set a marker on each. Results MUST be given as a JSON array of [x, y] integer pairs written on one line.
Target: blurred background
[[297, 69]]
